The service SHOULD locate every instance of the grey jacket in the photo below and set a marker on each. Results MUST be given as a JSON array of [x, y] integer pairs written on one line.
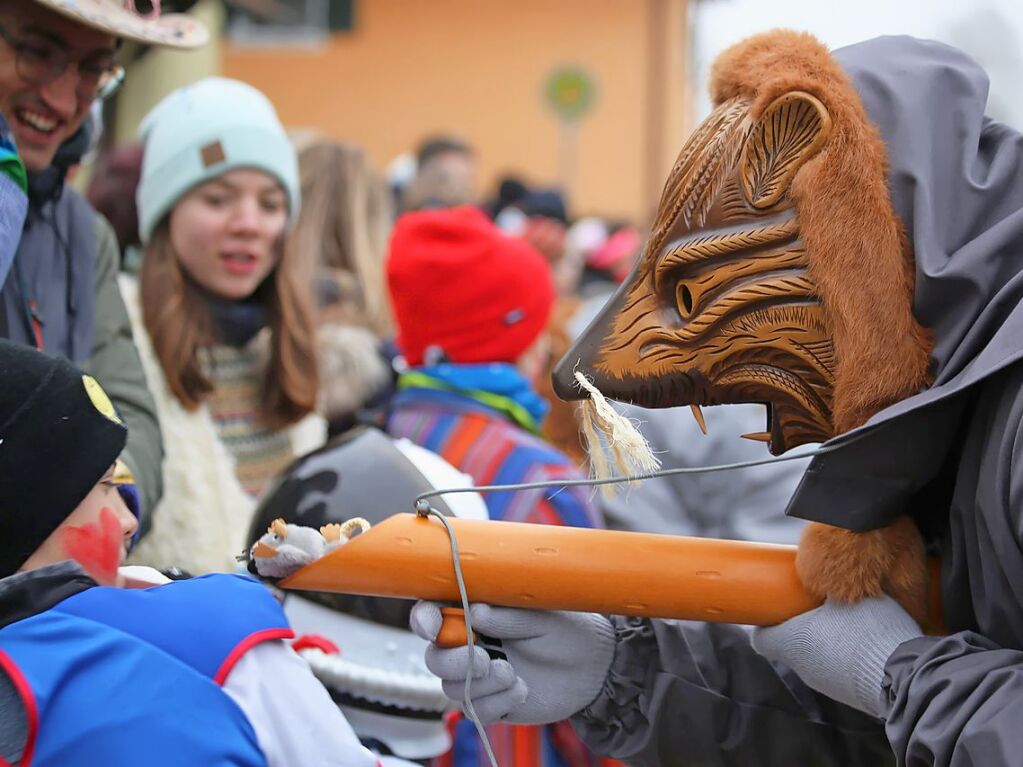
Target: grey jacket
[[949, 456], [65, 273]]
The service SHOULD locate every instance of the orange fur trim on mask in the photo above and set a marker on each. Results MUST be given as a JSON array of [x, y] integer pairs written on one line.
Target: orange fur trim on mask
[[859, 255], [847, 566]]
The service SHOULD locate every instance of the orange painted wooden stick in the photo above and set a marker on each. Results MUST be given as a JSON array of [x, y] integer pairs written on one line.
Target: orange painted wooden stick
[[565, 568]]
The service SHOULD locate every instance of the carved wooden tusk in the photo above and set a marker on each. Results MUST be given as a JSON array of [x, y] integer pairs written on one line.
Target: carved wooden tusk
[[758, 436], [698, 413]]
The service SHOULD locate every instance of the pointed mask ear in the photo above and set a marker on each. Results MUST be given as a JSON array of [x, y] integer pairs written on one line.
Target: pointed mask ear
[[791, 130], [279, 528]]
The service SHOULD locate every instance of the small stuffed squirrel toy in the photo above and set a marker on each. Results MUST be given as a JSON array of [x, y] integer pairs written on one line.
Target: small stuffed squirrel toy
[[286, 548]]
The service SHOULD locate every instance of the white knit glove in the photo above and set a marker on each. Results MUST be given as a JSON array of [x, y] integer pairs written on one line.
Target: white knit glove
[[557, 661], [841, 649]]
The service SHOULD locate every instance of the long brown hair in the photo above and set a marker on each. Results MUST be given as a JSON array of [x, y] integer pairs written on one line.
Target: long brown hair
[[179, 322], [345, 223]]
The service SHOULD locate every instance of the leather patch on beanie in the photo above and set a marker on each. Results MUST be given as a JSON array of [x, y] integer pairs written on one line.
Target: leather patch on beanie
[[212, 154]]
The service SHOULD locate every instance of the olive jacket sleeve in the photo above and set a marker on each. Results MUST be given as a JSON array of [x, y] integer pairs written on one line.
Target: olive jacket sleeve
[[116, 365]]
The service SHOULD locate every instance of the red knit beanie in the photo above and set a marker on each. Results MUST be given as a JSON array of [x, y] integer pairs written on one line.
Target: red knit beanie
[[460, 285]]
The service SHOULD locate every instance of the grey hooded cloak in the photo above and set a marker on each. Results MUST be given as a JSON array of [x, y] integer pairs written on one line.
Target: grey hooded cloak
[[692, 694]]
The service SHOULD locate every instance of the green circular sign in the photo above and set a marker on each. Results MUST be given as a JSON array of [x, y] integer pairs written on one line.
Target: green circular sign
[[570, 93]]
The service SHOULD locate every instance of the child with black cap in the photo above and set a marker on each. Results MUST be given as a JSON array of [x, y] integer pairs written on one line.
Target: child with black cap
[[188, 673], [59, 467]]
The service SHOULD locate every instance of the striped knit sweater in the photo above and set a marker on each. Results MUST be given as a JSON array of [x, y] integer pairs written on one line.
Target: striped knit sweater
[[259, 453]]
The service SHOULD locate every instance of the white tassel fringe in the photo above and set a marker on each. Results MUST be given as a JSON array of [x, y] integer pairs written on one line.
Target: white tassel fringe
[[628, 448]]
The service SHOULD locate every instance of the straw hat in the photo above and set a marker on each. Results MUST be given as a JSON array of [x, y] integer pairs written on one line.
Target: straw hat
[[119, 18]]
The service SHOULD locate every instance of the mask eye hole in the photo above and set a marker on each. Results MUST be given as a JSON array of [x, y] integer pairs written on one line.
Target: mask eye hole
[[684, 299]]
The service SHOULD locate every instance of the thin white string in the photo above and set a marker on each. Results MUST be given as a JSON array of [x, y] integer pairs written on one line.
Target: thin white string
[[425, 509], [562, 483]]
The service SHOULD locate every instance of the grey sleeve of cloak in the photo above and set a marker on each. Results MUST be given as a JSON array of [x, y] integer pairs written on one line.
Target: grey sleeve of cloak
[[956, 701], [116, 365], [692, 693]]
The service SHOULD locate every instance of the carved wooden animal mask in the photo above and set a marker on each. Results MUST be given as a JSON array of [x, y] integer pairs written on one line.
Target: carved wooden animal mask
[[751, 288], [724, 308]]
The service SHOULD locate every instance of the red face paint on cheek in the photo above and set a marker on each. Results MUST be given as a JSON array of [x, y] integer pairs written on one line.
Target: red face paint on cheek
[[96, 547]]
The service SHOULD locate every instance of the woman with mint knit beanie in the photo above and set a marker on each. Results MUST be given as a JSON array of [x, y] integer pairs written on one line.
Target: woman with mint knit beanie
[[222, 315]]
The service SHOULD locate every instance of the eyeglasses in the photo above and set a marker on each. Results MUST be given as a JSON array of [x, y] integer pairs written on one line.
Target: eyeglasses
[[40, 61]]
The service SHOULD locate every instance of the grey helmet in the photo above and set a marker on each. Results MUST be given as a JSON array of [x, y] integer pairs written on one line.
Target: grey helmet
[[378, 678]]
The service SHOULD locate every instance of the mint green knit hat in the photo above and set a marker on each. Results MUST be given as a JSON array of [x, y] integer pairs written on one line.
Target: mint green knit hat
[[202, 131]]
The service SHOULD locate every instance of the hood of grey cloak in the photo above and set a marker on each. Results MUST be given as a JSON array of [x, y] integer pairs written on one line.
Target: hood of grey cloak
[[956, 182]]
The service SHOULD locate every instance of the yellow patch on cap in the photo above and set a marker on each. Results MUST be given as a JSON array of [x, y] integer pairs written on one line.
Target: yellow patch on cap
[[122, 474], [100, 399]]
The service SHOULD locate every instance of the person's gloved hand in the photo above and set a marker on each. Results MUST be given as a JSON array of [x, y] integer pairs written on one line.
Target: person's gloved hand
[[841, 649], [557, 661]]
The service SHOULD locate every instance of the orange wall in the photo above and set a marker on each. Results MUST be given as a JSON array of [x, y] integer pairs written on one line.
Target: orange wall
[[478, 68]]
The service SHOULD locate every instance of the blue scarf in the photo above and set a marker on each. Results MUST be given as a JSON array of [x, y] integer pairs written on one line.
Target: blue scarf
[[238, 322], [498, 385]]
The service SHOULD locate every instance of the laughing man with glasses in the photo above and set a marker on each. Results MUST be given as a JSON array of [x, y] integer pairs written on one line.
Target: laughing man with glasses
[[48, 80], [56, 59]]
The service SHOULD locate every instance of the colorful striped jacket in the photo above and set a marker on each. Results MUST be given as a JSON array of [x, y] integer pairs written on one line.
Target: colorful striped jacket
[[492, 449], [485, 443]]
